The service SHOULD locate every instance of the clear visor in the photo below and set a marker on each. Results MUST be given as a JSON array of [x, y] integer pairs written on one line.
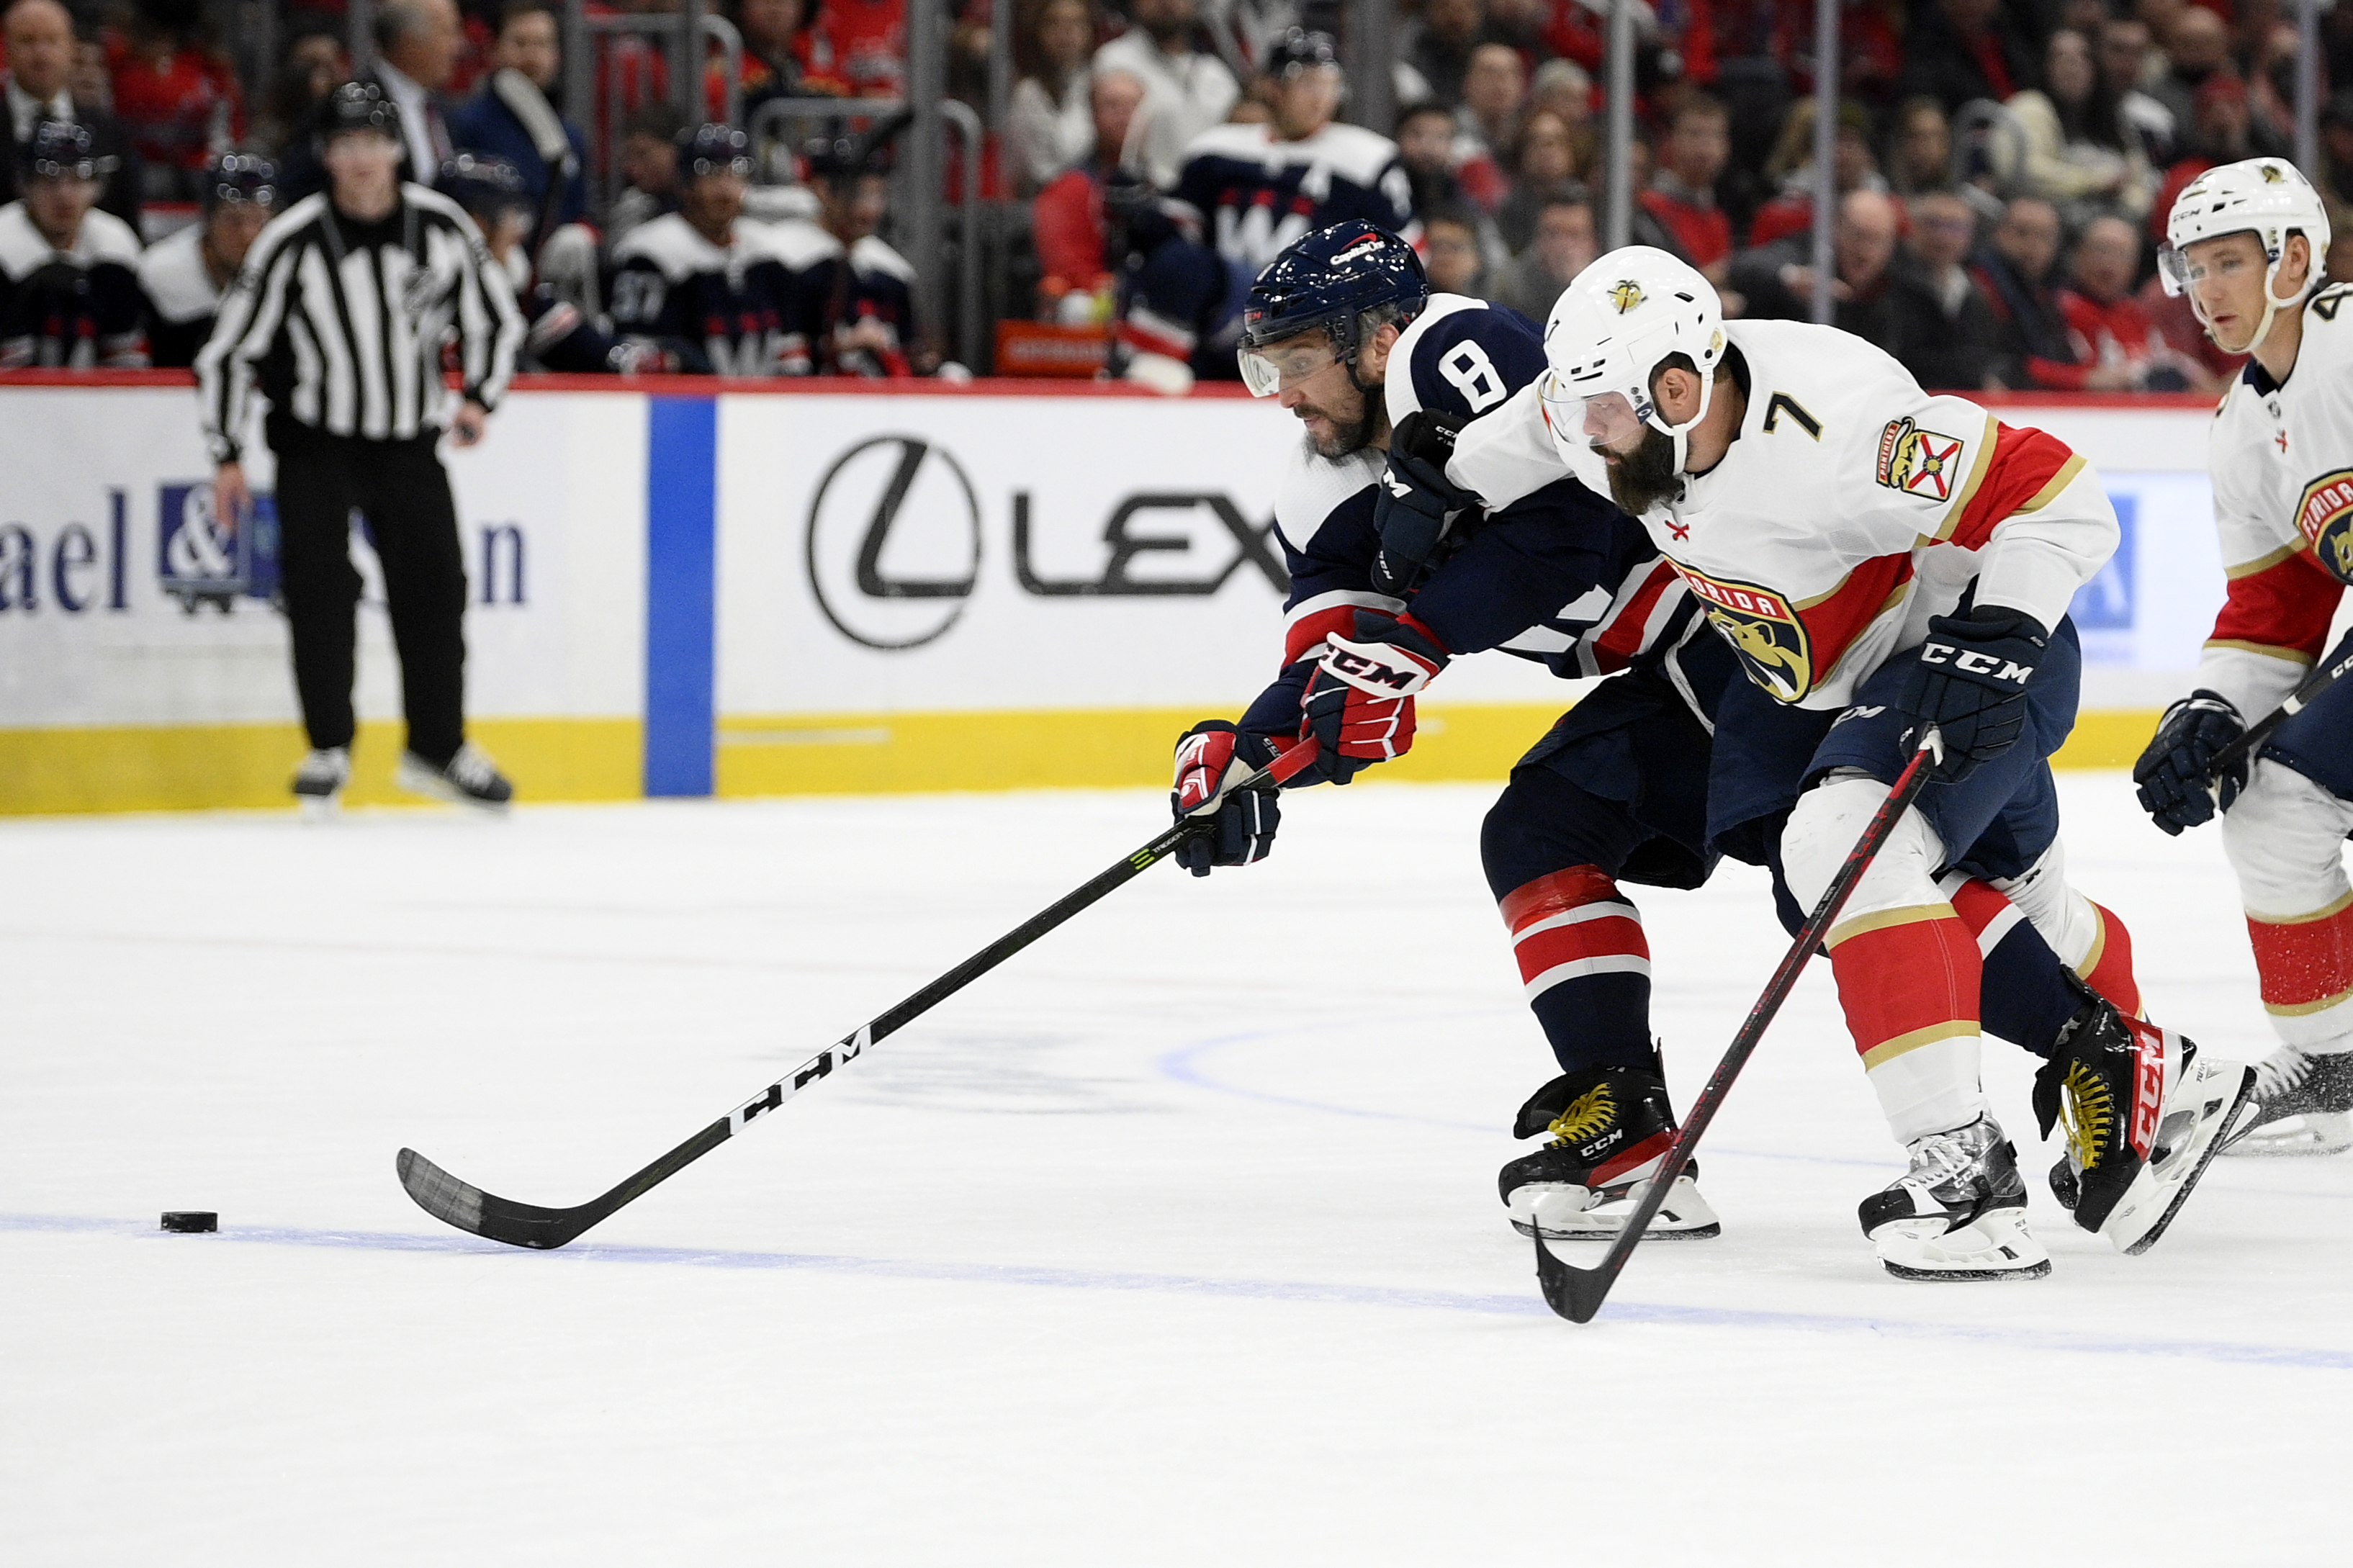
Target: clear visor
[[1604, 421], [2173, 270], [1280, 366]]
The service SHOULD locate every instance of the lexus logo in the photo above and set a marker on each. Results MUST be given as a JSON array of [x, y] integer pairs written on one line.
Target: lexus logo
[[894, 542]]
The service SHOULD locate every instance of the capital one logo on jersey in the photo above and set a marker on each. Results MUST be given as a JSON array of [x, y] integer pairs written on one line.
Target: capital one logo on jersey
[[1919, 462], [2326, 516], [1764, 630]]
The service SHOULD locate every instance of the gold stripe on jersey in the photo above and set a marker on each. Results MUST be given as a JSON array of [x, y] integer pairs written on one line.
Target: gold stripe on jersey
[[1847, 931], [2050, 492], [2262, 563], [1968, 490], [1888, 1050], [2338, 908], [2269, 650]]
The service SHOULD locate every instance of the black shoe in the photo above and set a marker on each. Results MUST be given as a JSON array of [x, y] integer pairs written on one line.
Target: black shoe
[[1610, 1128]]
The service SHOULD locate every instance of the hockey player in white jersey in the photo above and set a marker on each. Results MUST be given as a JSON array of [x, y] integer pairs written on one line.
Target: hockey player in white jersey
[[2246, 242], [1882, 560]]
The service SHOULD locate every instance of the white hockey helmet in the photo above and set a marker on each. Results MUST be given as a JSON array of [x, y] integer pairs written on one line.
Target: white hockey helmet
[[2266, 197], [1609, 332]]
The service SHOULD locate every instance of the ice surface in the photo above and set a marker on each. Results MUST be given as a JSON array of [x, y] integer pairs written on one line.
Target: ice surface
[[1174, 1241]]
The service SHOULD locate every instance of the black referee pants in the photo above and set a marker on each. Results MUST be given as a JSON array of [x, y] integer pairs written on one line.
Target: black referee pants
[[402, 489]]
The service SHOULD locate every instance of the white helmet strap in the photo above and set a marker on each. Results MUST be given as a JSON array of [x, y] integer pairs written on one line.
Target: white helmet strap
[[2272, 303]]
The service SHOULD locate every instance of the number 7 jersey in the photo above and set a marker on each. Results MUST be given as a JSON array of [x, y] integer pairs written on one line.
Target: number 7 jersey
[[1850, 508]]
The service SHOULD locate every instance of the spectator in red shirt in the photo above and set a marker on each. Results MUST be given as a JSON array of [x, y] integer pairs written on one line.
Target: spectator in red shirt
[[1068, 220], [2118, 348], [177, 96], [1682, 193], [862, 44]]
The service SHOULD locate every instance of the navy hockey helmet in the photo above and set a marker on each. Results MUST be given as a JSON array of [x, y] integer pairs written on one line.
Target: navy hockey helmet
[[713, 149], [1328, 281], [233, 179], [842, 154], [1297, 49], [357, 106], [484, 186], [61, 150]]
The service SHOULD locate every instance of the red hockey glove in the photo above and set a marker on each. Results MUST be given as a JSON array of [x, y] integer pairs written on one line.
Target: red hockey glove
[[1211, 758], [1359, 701]]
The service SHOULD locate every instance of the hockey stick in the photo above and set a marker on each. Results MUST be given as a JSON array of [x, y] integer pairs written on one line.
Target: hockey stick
[[1577, 1293], [2303, 697], [469, 1209]]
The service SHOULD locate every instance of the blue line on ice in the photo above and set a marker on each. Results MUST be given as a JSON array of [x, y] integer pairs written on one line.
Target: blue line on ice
[[1514, 1306]]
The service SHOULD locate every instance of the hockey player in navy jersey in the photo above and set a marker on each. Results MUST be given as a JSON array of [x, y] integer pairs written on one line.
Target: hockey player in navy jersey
[[1388, 587], [852, 309], [704, 283], [181, 279], [68, 296], [1258, 188], [557, 337]]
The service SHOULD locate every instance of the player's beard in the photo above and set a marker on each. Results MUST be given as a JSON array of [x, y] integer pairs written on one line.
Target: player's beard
[[1347, 434], [1641, 479]]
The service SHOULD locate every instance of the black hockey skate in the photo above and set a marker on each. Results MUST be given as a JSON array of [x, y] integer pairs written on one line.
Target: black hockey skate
[[470, 779], [1610, 1127], [2302, 1100], [2143, 1114], [1958, 1214], [319, 782]]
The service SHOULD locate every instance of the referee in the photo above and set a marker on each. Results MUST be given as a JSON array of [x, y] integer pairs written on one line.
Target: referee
[[339, 319]]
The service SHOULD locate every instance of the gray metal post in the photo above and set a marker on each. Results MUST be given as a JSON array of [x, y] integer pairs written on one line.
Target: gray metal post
[[686, 64], [359, 33], [1618, 217], [1826, 117], [579, 67], [926, 161], [1371, 49], [2307, 90]]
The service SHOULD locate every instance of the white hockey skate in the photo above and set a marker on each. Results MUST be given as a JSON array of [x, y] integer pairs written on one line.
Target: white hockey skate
[[1564, 1211], [319, 782], [1958, 1214], [2137, 1142], [2303, 1105]]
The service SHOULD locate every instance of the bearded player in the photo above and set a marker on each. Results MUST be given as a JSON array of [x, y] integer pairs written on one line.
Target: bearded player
[[1881, 560]]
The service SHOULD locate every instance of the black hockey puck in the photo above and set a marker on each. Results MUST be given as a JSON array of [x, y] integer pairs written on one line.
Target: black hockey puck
[[191, 1221]]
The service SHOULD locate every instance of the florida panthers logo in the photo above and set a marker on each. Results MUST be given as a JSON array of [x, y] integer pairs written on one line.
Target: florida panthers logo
[[2326, 516], [1625, 294], [1763, 629], [1919, 462]]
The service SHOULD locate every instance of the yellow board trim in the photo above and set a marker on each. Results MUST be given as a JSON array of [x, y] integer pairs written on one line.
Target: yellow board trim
[[2338, 908], [1902, 1045], [249, 766], [1910, 914]]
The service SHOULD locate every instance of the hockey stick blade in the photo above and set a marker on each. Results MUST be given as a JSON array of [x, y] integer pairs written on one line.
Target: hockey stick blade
[[478, 1213], [1576, 1293]]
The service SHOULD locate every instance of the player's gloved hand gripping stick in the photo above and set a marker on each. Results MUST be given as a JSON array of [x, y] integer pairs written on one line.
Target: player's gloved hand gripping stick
[[1577, 1293], [2170, 798], [469, 1209]]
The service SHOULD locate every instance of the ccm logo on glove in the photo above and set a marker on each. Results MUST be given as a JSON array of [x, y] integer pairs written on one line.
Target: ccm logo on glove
[[1971, 661], [1383, 670]]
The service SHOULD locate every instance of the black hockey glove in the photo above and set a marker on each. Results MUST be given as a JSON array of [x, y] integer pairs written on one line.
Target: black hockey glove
[[1415, 502], [1212, 756], [1359, 702], [1971, 682], [2175, 774]]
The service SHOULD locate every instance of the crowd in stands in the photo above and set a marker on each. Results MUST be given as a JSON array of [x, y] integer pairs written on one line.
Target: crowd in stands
[[2003, 170]]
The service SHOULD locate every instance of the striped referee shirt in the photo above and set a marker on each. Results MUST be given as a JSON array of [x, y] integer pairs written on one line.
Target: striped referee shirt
[[341, 324]]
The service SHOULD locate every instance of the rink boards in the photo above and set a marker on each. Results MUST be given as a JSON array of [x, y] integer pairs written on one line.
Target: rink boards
[[682, 591]]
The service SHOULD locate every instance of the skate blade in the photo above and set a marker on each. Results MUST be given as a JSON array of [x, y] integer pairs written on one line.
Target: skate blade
[[433, 787], [2218, 1094], [1684, 1216], [1997, 1246], [2316, 1132], [320, 808]]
